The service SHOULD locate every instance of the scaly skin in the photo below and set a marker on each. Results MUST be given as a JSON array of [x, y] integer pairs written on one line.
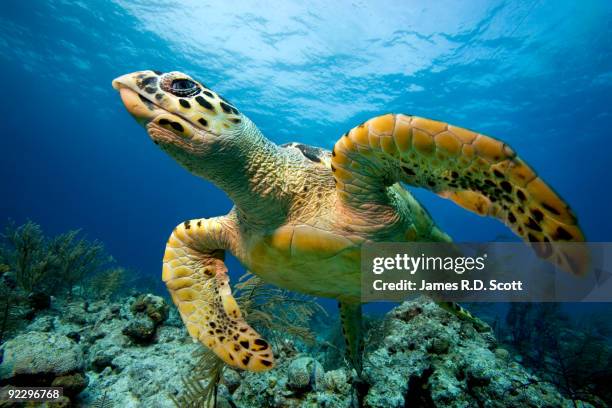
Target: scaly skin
[[277, 189], [299, 222]]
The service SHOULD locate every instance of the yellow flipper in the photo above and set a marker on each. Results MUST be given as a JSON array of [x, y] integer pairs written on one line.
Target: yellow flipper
[[479, 173], [196, 277]]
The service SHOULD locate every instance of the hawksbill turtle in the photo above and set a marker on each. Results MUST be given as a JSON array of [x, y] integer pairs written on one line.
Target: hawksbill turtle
[[302, 213]]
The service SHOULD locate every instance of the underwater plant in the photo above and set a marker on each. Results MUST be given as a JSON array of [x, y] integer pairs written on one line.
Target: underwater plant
[[103, 402], [200, 388], [27, 252], [24, 264], [75, 258], [104, 284], [11, 303], [272, 310], [577, 359], [51, 265], [518, 322]]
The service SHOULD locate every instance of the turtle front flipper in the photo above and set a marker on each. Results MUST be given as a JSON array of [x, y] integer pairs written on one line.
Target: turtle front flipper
[[197, 279], [475, 171], [352, 330]]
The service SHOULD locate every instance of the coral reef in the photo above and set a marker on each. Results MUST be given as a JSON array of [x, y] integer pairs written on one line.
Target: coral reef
[[298, 380], [140, 329], [148, 312], [107, 348], [428, 357], [154, 307], [35, 268], [43, 359], [418, 355], [76, 343], [304, 373], [38, 354]]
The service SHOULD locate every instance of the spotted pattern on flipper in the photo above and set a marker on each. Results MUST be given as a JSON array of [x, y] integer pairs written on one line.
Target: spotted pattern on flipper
[[475, 171], [197, 279]]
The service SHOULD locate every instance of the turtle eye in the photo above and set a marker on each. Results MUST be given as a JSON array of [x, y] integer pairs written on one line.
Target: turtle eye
[[183, 87]]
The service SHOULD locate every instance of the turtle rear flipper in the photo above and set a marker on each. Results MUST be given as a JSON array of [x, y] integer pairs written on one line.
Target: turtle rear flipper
[[475, 171], [196, 277], [352, 330]]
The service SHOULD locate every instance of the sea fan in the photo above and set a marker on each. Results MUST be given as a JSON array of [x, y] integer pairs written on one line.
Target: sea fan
[[200, 387], [269, 309], [276, 312], [105, 284], [49, 264], [103, 402], [26, 251], [12, 310]]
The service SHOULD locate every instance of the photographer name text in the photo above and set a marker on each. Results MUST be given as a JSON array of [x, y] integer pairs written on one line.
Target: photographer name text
[[469, 285]]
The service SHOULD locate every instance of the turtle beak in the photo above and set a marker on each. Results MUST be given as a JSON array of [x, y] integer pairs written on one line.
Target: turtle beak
[[136, 80], [123, 80], [128, 80], [135, 100]]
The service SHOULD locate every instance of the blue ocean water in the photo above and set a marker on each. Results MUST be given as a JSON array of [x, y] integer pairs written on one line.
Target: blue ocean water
[[536, 74]]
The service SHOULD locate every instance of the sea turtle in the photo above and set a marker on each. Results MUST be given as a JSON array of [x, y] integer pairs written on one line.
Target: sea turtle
[[302, 213]]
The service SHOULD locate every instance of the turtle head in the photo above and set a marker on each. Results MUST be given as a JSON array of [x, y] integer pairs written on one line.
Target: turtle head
[[181, 115]]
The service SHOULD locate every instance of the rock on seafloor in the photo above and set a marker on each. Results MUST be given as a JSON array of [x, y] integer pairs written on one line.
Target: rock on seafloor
[[43, 359], [427, 357], [419, 355], [37, 354], [82, 347]]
